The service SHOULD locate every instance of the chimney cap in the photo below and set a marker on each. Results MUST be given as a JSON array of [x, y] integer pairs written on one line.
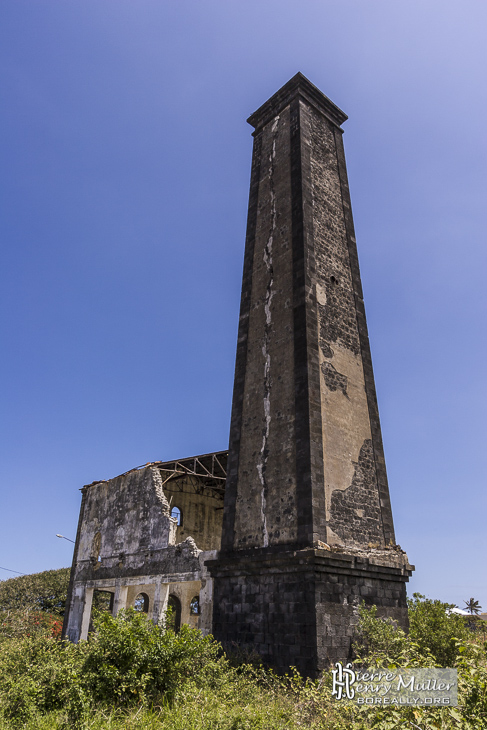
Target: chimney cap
[[299, 86]]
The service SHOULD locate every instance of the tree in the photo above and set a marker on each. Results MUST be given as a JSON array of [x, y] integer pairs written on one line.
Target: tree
[[472, 606], [46, 591]]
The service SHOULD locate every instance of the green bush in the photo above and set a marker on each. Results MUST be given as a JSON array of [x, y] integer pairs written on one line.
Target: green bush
[[39, 674], [435, 629], [472, 682], [127, 661], [130, 659], [132, 674], [434, 635], [379, 639]]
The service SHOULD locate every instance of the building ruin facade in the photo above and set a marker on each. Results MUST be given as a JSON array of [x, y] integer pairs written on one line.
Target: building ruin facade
[[143, 539], [273, 548]]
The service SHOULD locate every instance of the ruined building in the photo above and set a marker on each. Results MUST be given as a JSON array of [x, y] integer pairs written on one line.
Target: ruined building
[[275, 547]]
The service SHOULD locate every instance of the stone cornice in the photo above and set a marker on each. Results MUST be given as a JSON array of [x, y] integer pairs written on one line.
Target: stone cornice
[[259, 561]]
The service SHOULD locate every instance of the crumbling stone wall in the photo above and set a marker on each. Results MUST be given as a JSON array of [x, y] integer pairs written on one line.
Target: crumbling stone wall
[[127, 544], [128, 517]]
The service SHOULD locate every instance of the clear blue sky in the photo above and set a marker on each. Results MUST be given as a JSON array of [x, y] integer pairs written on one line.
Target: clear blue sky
[[126, 157]]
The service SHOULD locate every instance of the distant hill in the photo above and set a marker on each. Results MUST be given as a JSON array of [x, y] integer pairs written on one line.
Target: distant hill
[[46, 591]]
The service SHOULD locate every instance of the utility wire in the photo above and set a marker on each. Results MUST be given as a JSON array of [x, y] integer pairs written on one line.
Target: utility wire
[[12, 571]]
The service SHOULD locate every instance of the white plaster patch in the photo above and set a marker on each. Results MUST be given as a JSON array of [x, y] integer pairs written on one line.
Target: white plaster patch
[[321, 294], [346, 422]]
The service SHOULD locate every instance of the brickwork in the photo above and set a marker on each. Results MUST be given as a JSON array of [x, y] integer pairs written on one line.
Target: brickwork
[[355, 511], [333, 379]]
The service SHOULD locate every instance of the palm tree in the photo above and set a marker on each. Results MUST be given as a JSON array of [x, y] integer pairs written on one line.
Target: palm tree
[[472, 606]]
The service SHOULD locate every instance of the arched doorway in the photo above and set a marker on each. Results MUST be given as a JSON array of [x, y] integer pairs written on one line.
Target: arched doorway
[[174, 619]]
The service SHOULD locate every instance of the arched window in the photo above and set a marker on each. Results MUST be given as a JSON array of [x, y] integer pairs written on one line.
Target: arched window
[[141, 603], [177, 515], [174, 616], [194, 606]]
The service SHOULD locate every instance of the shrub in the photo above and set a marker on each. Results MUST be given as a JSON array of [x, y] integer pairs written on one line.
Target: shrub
[[435, 629], [432, 640], [131, 673], [381, 642], [127, 661], [39, 674], [435, 635], [472, 682], [130, 659]]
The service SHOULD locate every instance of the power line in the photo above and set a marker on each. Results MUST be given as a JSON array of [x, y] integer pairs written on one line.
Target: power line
[[12, 571]]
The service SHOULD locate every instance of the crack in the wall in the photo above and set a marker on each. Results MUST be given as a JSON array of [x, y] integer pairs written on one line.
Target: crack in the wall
[[264, 451]]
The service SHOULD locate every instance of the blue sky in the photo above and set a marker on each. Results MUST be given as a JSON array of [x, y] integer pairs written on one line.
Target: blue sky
[[126, 158]]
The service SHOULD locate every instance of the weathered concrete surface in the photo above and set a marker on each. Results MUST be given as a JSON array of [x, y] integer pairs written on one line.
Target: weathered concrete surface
[[129, 517]]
